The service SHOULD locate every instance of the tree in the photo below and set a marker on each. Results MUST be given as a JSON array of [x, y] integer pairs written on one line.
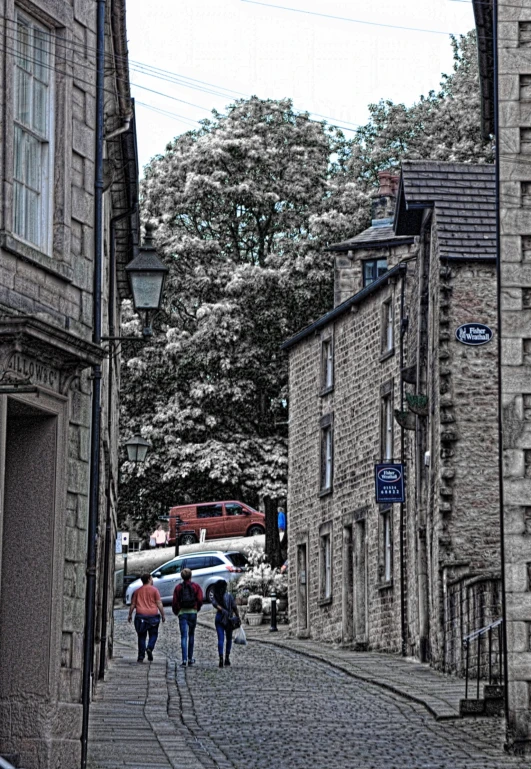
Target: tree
[[233, 203], [245, 207]]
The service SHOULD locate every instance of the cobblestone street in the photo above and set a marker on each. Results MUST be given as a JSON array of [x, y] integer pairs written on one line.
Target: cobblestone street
[[274, 708]]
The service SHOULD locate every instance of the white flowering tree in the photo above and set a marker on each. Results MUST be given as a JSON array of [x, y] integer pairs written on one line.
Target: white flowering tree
[[244, 209]]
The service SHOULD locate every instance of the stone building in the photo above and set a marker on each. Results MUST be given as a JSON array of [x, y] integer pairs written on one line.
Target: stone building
[[514, 141], [47, 239], [383, 378]]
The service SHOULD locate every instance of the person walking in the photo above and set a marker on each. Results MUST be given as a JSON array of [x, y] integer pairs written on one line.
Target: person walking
[[226, 608], [149, 611], [187, 601], [281, 521]]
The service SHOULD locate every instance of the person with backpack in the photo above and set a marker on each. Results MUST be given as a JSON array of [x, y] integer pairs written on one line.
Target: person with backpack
[[227, 619], [187, 601]]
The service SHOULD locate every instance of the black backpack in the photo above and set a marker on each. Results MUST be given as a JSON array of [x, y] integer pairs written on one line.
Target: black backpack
[[188, 599]]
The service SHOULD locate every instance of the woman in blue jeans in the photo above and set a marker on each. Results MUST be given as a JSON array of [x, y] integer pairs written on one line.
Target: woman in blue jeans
[[226, 607]]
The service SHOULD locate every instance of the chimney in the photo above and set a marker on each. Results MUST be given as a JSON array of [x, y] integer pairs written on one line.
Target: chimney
[[383, 204]]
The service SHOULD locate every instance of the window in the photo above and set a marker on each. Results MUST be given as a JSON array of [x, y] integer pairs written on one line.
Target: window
[[325, 559], [327, 451], [238, 559], [387, 327], [201, 562], [175, 567], [215, 561], [373, 269], [386, 422], [33, 127], [234, 509], [210, 511], [327, 365], [386, 562]]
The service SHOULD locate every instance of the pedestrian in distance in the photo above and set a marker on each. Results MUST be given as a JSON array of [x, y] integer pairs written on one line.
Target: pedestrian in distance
[[149, 611], [281, 521], [160, 537], [226, 609], [187, 601]]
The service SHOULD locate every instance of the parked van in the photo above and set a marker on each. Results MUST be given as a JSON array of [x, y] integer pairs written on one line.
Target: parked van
[[220, 519]]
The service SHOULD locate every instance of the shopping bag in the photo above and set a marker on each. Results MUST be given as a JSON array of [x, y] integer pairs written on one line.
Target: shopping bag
[[239, 636]]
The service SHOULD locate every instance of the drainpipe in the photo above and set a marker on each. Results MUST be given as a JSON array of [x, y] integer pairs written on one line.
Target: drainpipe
[[123, 128], [403, 608], [93, 513], [420, 501], [499, 318], [108, 508]]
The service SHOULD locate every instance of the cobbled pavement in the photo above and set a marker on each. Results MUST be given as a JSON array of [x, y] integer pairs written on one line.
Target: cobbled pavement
[[274, 708]]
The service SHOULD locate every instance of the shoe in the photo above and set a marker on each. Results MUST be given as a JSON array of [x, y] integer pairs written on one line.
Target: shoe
[[220, 660], [183, 664], [191, 662], [149, 655], [139, 660], [227, 661]]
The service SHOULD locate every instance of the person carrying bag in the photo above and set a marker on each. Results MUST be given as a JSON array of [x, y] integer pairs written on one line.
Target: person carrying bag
[[227, 619]]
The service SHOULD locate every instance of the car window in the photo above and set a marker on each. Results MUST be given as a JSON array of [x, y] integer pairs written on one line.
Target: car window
[[201, 562], [237, 559], [234, 509], [170, 568], [215, 561], [210, 511]]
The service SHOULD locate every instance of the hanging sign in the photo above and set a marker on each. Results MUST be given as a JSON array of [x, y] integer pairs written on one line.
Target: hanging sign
[[389, 480], [474, 334]]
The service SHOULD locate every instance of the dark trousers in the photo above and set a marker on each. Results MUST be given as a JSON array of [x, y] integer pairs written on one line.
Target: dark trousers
[[146, 626], [223, 632]]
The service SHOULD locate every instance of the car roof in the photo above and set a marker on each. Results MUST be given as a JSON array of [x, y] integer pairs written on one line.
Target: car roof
[[192, 555]]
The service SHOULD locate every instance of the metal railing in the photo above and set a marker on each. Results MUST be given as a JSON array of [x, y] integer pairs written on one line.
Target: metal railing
[[489, 659]]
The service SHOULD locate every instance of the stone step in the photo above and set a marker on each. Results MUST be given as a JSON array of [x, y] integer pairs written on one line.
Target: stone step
[[471, 708]]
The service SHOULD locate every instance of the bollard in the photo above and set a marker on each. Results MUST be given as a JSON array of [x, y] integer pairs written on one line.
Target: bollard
[[273, 628]]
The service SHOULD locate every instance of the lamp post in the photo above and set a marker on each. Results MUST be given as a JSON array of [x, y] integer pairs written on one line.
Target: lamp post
[[147, 275], [178, 523]]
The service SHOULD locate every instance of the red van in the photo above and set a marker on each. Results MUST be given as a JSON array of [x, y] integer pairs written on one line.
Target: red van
[[220, 519]]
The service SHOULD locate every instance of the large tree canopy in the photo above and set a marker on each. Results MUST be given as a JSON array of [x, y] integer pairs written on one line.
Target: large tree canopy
[[244, 208]]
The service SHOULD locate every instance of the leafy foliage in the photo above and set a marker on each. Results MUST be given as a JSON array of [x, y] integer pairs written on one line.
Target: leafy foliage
[[245, 207]]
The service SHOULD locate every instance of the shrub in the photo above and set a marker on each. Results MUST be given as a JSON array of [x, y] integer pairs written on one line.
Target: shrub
[[254, 604]]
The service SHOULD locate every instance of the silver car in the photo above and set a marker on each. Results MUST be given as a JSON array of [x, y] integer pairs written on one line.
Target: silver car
[[206, 568]]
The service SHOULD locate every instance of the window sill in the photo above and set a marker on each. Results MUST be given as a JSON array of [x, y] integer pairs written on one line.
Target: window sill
[[325, 601], [386, 585], [325, 492], [326, 390], [34, 256], [387, 354]]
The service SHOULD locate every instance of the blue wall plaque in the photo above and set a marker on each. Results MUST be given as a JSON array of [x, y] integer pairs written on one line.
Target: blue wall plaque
[[474, 333], [389, 483]]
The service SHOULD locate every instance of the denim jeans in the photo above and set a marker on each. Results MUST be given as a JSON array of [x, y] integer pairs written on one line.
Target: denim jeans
[[222, 633], [187, 623], [146, 625]]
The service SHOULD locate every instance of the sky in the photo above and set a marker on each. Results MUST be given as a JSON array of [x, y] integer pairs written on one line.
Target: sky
[[203, 54]]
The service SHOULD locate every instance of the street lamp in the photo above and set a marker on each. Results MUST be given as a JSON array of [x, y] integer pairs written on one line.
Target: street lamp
[[146, 275], [136, 448]]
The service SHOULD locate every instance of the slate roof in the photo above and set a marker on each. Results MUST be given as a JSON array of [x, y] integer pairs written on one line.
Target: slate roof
[[464, 199], [379, 234], [344, 306]]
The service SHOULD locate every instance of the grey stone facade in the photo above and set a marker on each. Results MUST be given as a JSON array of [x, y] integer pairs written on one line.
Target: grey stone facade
[[514, 110], [414, 578], [46, 354]]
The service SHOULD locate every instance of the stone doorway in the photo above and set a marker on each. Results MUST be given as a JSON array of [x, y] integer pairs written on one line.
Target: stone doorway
[[302, 591], [360, 582]]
